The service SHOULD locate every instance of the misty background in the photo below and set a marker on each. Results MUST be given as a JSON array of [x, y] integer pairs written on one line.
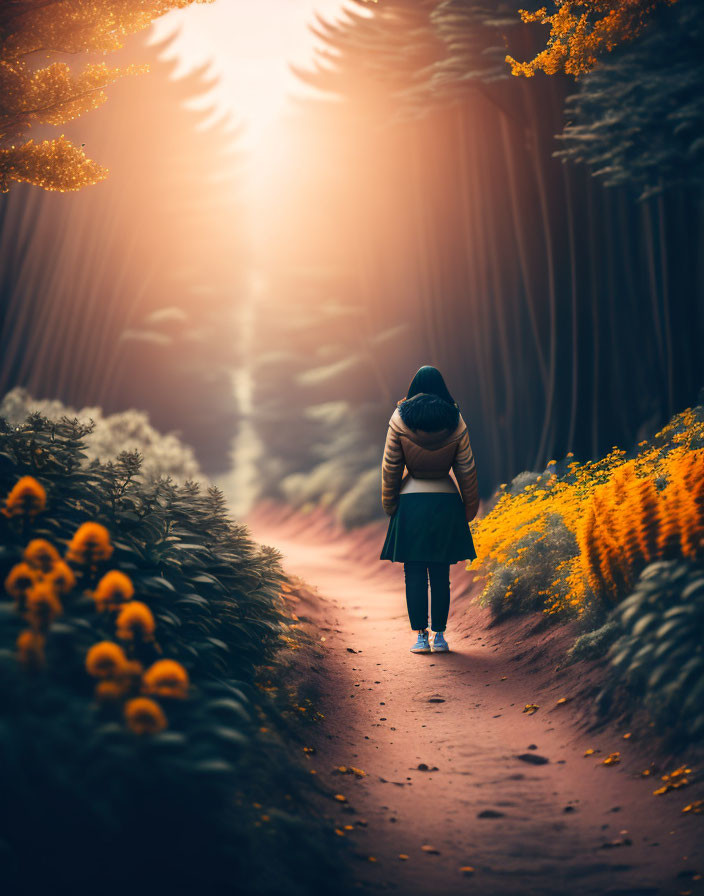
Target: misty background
[[308, 201]]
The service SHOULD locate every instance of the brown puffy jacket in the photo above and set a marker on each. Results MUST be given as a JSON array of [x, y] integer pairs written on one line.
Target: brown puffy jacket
[[428, 454]]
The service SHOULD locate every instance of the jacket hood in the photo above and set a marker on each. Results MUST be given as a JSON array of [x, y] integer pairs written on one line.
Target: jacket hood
[[429, 414]]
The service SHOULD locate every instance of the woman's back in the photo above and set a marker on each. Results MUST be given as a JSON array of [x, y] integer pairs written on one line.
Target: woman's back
[[429, 437], [428, 528]]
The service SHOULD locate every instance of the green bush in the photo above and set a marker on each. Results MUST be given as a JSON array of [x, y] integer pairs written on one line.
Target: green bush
[[213, 803], [162, 455], [594, 644], [660, 654]]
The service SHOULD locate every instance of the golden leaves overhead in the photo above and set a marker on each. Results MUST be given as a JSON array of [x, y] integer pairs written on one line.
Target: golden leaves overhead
[[55, 165], [34, 93], [583, 30]]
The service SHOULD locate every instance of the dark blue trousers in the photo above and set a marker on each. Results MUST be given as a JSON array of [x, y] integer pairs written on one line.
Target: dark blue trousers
[[418, 574]]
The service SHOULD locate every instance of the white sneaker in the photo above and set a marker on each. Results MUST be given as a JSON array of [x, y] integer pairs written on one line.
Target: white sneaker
[[422, 645]]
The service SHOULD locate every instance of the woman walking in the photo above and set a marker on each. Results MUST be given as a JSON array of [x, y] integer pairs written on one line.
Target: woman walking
[[428, 529]]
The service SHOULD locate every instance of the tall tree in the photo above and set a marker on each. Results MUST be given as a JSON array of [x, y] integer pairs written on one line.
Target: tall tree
[[124, 295]]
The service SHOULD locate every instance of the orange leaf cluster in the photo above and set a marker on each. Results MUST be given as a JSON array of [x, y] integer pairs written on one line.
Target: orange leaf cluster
[[53, 94], [628, 523], [583, 30]]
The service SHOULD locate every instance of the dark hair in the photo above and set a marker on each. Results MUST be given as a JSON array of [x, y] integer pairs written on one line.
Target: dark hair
[[429, 380]]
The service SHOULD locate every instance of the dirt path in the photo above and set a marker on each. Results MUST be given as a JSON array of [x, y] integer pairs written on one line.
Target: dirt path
[[441, 737]]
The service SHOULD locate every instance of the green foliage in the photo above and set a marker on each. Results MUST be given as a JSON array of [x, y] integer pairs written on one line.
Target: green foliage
[[660, 654], [212, 799], [594, 644], [162, 455]]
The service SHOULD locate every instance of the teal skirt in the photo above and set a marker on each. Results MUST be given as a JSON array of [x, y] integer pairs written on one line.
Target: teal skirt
[[430, 527]]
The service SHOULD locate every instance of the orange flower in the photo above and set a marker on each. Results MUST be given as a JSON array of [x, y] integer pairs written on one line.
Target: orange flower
[[41, 555], [21, 578], [90, 545], [135, 621], [144, 716], [113, 589], [43, 606], [106, 660], [30, 647], [61, 577], [27, 498], [166, 678]]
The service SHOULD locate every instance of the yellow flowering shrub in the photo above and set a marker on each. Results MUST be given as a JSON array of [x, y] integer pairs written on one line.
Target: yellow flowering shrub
[[622, 513]]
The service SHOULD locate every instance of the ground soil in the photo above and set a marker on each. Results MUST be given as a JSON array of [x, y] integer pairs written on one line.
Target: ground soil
[[463, 791]]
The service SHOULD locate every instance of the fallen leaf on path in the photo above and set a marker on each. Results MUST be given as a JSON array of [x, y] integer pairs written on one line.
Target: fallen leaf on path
[[348, 770], [340, 798], [627, 735], [674, 781], [530, 708], [590, 752], [562, 700], [403, 857], [467, 869], [612, 759], [695, 808], [339, 832], [431, 850], [372, 858], [309, 749]]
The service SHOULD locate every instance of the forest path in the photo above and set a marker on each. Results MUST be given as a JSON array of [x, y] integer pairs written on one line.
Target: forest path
[[439, 737]]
